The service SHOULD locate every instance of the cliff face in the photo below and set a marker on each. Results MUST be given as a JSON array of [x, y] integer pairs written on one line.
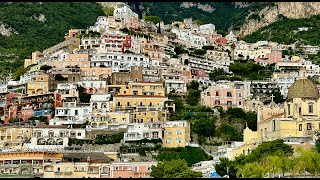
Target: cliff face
[[268, 15]]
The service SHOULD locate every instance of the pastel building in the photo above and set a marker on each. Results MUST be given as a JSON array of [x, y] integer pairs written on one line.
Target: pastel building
[[176, 134], [131, 170], [139, 131], [110, 120], [224, 95], [50, 137]]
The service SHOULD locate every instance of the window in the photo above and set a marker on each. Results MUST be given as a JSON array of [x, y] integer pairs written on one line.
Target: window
[[128, 103], [208, 93], [239, 102], [169, 141], [178, 132], [229, 94], [169, 133], [273, 125], [79, 134], [311, 108], [135, 92], [265, 132], [178, 140], [289, 110], [229, 103], [76, 112], [309, 126], [217, 102], [217, 93], [119, 104], [300, 127]]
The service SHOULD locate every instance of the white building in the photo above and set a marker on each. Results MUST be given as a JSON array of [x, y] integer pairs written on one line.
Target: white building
[[71, 115], [67, 90], [101, 25], [93, 87], [225, 151], [179, 86], [3, 87], [207, 29], [101, 102], [205, 167], [124, 13], [139, 131], [119, 61], [231, 38], [50, 137], [283, 83], [28, 77]]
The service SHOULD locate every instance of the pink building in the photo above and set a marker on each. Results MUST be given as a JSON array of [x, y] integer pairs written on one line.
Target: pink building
[[223, 95], [133, 24], [274, 56], [131, 170]]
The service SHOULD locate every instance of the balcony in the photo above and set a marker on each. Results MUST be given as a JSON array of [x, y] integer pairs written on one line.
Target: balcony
[[68, 172], [58, 172], [93, 172]]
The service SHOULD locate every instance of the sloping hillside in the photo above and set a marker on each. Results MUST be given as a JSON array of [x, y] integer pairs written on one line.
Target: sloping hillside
[[287, 31], [27, 27], [222, 14]]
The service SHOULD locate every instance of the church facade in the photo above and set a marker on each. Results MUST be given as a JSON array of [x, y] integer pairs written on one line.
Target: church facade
[[296, 121]]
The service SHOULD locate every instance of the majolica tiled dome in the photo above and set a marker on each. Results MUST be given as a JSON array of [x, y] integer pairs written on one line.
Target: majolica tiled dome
[[303, 88]]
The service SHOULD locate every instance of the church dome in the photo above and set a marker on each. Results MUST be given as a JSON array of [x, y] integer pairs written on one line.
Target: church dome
[[303, 88]]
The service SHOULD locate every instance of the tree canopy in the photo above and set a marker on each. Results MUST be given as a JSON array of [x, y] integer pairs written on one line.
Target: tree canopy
[[173, 169]]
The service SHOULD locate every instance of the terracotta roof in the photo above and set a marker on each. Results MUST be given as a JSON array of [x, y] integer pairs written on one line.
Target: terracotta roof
[[52, 126], [274, 116]]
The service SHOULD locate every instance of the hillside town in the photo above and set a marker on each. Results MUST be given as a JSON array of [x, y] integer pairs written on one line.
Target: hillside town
[[102, 103]]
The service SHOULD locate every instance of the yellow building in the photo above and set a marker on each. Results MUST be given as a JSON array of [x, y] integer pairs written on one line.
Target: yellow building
[[148, 116], [34, 57], [76, 170], [109, 120], [40, 85], [78, 165], [176, 134], [142, 96], [14, 136], [144, 88], [80, 60], [26, 163]]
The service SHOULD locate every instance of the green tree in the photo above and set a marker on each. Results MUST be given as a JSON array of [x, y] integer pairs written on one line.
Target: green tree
[[173, 169], [153, 19], [193, 85], [20, 71], [192, 155], [193, 97], [108, 11], [200, 52], [198, 22]]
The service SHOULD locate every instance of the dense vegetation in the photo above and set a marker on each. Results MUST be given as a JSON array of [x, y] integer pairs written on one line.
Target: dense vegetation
[[258, 155], [35, 35], [191, 155], [223, 17], [173, 169], [285, 31], [203, 119]]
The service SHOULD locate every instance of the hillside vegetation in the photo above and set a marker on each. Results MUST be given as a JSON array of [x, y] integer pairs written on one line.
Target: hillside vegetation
[[224, 15], [286, 31], [38, 35]]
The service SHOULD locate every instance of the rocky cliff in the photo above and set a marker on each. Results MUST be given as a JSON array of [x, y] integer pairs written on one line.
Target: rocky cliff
[[268, 15]]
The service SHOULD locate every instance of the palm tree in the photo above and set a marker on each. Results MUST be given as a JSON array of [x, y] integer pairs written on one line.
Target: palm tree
[[272, 164], [303, 161]]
